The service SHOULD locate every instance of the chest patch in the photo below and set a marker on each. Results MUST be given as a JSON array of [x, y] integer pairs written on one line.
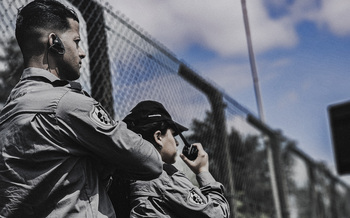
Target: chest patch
[[100, 116]]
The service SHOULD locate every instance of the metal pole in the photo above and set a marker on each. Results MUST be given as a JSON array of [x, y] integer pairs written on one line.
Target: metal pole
[[252, 62], [270, 157]]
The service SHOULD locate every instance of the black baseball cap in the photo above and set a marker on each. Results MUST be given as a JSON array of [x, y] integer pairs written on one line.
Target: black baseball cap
[[151, 111]]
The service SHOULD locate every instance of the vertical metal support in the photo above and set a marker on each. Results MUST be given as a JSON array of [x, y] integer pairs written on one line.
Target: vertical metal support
[[252, 61], [273, 179], [279, 174], [312, 191], [332, 195], [92, 12], [272, 161], [277, 177], [316, 207], [215, 98]]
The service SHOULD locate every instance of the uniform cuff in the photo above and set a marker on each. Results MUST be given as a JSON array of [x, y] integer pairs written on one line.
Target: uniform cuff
[[205, 178]]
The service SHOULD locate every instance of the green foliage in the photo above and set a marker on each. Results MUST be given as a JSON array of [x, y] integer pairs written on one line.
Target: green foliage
[[11, 67], [251, 175]]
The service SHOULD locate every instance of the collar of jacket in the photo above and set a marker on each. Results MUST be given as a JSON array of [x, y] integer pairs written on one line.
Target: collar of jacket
[[39, 74]]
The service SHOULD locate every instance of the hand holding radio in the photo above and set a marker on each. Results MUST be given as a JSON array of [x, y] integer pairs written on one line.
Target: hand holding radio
[[200, 163], [190, 151]]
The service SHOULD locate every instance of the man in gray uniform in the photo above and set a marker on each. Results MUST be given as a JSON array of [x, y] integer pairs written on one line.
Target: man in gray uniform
[[58, 145], [172, 194]]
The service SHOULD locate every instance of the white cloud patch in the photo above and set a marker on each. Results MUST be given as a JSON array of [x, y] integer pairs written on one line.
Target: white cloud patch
[[234, 77], [215, 25], [335, 15], [268, 33], [326, 14], [219, 27], [242, 126]]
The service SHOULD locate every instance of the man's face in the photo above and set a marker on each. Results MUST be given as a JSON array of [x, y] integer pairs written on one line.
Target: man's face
[[70, 62], [169, 149]]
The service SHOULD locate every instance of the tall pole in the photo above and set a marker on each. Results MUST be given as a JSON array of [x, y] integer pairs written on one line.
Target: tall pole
[[269, 150], [252, 62]]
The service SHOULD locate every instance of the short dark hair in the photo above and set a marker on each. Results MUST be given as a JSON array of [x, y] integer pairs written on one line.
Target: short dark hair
[[147, 130], [149, 116], [41, 14]]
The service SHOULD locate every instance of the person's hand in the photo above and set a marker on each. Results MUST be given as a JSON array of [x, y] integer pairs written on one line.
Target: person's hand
[[201, 163]]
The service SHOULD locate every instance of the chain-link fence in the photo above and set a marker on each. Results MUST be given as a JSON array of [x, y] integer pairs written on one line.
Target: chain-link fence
[[264, 174]]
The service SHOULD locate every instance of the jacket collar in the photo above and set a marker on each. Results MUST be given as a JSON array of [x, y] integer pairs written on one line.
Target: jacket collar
[[38, 72], [46, 76]]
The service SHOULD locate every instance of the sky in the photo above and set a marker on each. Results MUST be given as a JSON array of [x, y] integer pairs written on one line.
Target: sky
[[302, 55]]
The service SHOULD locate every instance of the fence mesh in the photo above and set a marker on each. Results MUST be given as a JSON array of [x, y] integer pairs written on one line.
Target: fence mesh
[[124, 65]]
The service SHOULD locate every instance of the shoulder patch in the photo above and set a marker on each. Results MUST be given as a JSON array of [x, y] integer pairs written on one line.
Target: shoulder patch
[[100, 116], [195, 198]]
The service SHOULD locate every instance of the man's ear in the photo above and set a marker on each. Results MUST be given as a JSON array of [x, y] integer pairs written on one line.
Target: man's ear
[[51, 38], [158, 137], [55, 44]]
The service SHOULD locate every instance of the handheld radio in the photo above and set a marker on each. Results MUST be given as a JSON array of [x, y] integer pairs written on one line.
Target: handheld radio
[[190, 151]]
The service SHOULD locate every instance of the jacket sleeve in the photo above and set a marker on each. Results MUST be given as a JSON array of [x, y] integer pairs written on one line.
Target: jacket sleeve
[[206, 201], [179, 198], [87, 129]]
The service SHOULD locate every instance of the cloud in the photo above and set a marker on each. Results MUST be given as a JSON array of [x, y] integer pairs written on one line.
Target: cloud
[[233, 76], [326, 14], [269, 33], [218, 26], [215, 25], [242, 126], [335, 14]]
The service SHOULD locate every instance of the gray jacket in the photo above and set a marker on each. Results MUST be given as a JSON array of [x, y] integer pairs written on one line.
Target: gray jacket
[[173, 195], [58, 149]]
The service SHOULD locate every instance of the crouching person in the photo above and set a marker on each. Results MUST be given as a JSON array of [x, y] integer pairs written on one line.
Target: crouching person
[[172, 194]]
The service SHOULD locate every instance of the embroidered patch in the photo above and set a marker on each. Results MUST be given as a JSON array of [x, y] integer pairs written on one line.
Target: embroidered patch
[[195, 197], [100, 116]]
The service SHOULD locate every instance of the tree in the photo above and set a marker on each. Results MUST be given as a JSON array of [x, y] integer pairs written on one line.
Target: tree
[[253, 194], [12, 63]]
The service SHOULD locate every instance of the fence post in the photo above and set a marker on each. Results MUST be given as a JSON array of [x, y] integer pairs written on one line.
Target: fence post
[[331, 191], [311, 171], [280, 176], [312, 185], [277, 175], [314, 196], [333, 198], [100, 78], [215, 98]]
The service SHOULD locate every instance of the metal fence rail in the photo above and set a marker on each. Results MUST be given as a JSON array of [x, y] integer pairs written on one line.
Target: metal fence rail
[[125, 65]]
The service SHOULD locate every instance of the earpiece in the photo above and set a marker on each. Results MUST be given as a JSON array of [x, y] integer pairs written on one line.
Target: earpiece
[[57, 45]]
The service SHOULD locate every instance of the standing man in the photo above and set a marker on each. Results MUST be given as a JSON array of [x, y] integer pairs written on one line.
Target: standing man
[[172, 194], [58, 146]]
